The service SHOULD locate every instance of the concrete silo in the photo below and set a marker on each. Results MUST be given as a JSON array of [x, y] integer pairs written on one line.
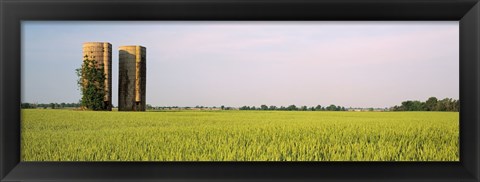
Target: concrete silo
[[132, 78], [101, 52]]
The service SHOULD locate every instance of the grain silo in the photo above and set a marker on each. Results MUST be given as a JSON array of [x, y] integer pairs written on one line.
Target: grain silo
[[132, 78], [101, 52]]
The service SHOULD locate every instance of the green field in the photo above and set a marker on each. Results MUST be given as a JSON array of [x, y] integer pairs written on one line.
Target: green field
[[66, 135]]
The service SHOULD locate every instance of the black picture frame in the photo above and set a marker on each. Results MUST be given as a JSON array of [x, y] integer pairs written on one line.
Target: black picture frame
[[12, 12]]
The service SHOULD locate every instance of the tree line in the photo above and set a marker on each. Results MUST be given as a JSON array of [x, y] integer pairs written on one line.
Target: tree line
[[50, 105], [331, 107], [431, 104], [150, 107]]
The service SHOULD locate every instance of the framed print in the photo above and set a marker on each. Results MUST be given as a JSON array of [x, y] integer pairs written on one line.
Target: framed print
[[239, 90]]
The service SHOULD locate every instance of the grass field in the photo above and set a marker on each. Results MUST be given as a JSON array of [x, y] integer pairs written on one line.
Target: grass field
[[65, 135]]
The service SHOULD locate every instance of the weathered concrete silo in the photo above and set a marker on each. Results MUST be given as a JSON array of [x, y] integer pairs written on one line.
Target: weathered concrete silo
[[132, 78], [101, 52]]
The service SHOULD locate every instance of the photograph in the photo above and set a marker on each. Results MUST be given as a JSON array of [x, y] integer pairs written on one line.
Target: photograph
[[240, 91]]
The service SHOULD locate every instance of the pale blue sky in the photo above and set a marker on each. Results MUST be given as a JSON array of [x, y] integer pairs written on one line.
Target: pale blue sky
[[353, 64]]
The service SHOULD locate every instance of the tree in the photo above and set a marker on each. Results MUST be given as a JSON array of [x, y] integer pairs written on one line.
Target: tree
[[441, 105], [338, 108], [303, 108], [91, 80], [413, 105], [451, 104], [52, 105], [318, 108], [222, 107], [264, 107], [292, 108], [331, 108], [457, 105], [448, 104], [148, 107], [26, 106], [272, 108], [430, 104]]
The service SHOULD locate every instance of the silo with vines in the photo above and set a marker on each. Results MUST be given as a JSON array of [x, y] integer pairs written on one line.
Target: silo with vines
[[101, 52]]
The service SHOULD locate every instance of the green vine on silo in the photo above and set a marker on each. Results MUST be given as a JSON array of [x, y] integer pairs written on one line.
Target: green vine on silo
[[91, 82]]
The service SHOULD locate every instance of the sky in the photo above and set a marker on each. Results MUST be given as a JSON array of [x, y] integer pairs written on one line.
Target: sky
[[209, 63]]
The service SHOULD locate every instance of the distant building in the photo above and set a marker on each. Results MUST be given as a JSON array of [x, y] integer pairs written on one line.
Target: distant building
[[132, 78], [101, 52]]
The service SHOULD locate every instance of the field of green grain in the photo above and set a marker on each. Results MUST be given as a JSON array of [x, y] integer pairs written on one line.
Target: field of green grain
[[66, 135]]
